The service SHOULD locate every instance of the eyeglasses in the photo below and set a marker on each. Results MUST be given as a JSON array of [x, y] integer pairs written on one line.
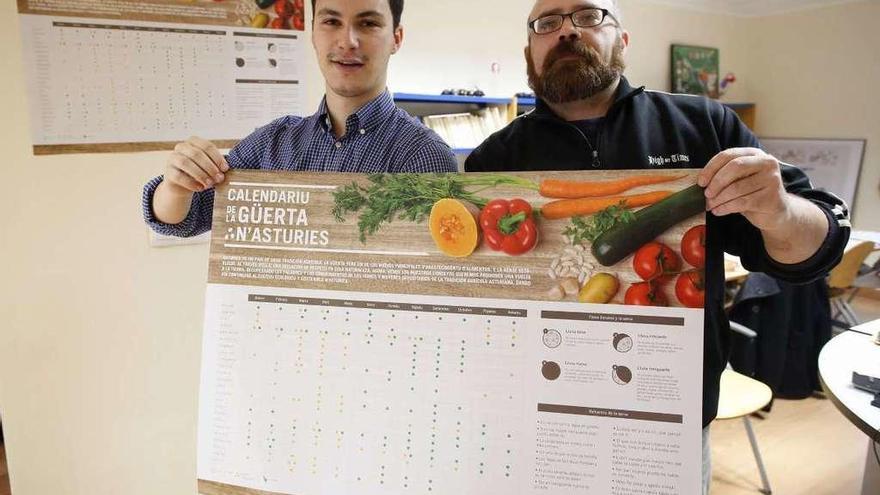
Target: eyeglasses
[[584, 18]]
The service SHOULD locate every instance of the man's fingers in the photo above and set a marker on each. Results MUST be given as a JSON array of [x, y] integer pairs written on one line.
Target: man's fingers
[[760, 201], [733, 171], [719, 161], [211, 150], [180, 178], [740, 204], [186, 165], [201, 159], [742, 187]]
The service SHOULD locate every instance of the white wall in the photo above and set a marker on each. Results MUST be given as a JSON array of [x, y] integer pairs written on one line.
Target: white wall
[[100, 335]]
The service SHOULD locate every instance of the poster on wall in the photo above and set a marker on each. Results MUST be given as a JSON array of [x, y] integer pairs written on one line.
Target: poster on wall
[[126, 75], [459, 333], [831, 164], [695, 70]]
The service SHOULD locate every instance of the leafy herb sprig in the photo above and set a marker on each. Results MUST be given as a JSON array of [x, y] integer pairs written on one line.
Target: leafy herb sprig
[[411, 196], [587, 229]]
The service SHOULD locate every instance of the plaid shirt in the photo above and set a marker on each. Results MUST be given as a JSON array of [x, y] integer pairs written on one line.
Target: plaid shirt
[[379, 138]]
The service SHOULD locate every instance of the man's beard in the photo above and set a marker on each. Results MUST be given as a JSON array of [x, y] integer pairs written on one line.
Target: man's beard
[[576, 78]]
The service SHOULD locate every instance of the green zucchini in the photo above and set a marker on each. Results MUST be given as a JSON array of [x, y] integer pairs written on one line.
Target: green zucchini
[[624, 239]]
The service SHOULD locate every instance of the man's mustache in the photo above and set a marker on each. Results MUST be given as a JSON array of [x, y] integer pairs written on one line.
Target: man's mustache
[[568, 48]]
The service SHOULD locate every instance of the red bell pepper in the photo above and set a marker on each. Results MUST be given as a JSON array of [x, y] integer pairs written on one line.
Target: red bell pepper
[[509, 226]]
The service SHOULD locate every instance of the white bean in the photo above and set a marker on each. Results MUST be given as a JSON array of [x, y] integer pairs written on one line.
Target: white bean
[[555, 293], [570, 286]]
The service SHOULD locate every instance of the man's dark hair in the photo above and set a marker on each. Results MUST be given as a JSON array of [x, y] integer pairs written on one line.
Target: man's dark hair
[[396, 10]]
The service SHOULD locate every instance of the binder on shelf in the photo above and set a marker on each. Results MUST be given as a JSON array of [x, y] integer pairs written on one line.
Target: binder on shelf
[[462, 121], [464, 130]]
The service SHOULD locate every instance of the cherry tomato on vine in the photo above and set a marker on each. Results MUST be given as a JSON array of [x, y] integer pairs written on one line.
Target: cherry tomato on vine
[[298, 22], [654, 261], [645, 294], [693, 246], [278, 23], [283, 8], [690, 289]]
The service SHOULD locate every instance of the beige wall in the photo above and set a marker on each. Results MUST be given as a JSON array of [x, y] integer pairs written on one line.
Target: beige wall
[[815, 74], [100, 335], [435, 56], [654, 27]]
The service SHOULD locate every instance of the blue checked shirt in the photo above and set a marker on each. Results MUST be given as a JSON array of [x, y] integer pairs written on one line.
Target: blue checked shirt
[[379, 138]]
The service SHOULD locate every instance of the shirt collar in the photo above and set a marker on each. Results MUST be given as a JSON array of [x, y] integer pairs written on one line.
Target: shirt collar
[[365, 119]]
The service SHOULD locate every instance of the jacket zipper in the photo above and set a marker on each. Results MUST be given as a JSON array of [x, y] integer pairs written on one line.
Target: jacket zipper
[[594, 151]]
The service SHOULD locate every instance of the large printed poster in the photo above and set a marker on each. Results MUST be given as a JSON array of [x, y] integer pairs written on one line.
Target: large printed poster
[[130, 75], [463, 333]]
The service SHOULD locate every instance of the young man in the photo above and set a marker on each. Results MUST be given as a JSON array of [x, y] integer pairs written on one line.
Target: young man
[[589, 117], [357, 128]]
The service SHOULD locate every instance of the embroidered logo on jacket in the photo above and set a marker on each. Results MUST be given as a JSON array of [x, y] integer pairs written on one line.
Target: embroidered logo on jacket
[[659, 161]]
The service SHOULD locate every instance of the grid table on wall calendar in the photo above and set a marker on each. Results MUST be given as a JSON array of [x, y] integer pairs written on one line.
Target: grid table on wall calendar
[[105, 78], [322, 393]]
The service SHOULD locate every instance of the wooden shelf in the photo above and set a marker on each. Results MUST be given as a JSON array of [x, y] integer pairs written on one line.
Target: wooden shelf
[[746, 112], [473, 100]]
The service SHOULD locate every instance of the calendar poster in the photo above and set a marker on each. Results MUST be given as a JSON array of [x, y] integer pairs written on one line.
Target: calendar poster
[[135, 75], [458, 333]]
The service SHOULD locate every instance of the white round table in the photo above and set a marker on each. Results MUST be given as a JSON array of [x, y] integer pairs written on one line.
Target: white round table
[[851, 351]]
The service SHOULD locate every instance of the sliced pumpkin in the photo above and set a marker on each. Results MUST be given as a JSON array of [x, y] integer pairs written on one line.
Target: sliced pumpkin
[[453, 225]]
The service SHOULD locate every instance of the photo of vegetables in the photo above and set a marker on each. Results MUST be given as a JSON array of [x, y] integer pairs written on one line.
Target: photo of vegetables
[[264, 14], [288, 14], [269, 14], [625, 237]]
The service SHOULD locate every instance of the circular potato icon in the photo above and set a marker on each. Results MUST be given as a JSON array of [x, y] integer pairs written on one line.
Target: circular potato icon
[[621, 374], [622, 342], [550, 370], [552, 338]]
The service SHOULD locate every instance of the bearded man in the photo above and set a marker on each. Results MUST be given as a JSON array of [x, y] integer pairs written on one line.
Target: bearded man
[[589, 117]]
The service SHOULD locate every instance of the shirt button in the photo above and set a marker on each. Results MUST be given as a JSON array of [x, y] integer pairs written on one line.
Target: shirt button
[[338, 145], [363, 131]]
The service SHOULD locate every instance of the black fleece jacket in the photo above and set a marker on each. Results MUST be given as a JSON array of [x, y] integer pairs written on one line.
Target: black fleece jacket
[[655, 130]]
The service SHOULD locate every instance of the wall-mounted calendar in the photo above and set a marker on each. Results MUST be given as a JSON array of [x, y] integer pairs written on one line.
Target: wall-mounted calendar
[[421, 333], [127, 75]]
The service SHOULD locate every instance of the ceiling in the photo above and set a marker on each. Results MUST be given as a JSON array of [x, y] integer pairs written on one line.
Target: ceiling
[[750, 8]]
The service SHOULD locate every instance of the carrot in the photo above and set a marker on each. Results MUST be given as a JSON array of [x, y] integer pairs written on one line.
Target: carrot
[[555, 188], [565, 208]]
